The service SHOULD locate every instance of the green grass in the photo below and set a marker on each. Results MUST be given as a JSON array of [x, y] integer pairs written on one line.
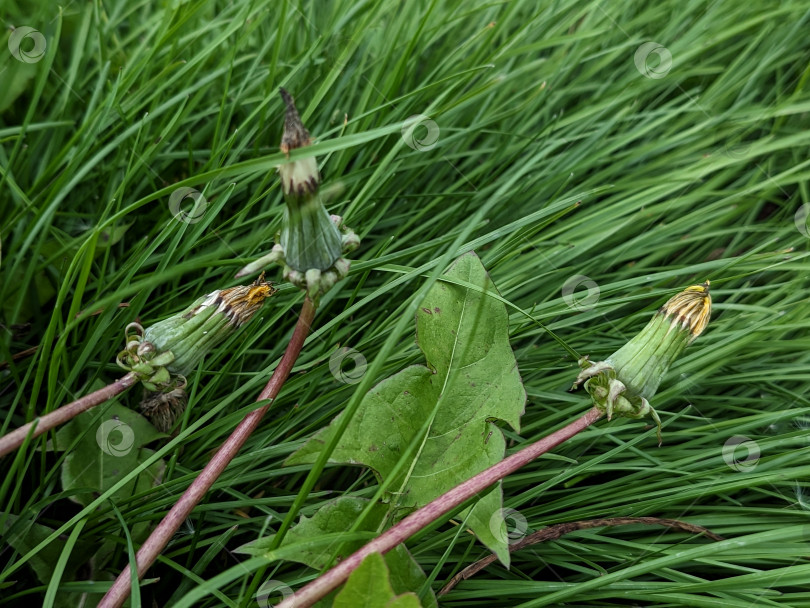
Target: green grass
[[695, 175]]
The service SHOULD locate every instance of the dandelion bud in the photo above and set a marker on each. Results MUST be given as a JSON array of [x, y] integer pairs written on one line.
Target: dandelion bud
[[623, 383], [308, 236], [311, 243], [207, 323], [175, 345]]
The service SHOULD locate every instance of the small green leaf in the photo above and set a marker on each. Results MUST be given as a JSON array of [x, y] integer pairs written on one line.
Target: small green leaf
[[43, 291], [16, 79], [333, 519], [23, 534], [86, 425], [369, 586], [109, 236], [406, 600], [471, 378], [107, 449]]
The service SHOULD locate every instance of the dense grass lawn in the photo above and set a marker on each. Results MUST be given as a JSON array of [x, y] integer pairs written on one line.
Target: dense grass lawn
[[597, 156]]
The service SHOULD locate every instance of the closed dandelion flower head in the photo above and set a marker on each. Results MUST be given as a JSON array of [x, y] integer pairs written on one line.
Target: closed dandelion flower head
[[311, 243], [623, 383], [175, 345]]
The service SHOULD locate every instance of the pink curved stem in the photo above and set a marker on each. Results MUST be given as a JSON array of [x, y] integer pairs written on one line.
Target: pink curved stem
[[151, 548], [43, 424], [432, 511]]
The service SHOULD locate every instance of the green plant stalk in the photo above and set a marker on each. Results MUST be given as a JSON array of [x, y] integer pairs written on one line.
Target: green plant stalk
[[422, 518], [160, 536], [43, 424]]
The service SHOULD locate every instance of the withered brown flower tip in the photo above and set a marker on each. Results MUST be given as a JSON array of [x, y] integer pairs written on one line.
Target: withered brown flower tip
[[295, 133]]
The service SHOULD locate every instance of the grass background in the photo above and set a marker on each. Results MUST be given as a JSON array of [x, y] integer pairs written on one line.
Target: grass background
[[695, 175]]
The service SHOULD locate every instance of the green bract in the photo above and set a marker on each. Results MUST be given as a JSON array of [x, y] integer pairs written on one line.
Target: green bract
[[623, 383], [309, 237]]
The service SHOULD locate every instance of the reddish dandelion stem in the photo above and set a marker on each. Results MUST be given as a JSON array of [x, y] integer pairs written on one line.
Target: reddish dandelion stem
[[151, 548], [43, 424], [432, 511]]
